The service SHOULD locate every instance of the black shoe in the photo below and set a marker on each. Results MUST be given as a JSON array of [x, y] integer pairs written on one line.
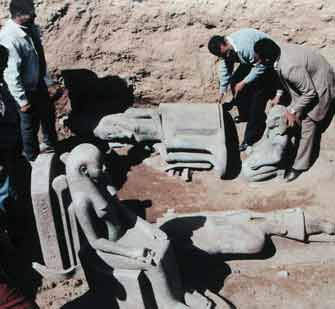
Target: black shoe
[[239, 119], [292, 175], [243, 147]]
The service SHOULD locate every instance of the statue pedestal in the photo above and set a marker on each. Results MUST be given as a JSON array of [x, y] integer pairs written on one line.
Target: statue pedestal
[[124, 288], [130, 280]]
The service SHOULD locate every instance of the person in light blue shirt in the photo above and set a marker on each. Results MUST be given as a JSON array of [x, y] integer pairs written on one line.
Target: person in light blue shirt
[[25, 76], [252, 83]]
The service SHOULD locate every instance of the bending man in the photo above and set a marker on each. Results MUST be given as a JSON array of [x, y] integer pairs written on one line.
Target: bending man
[[310, 82], [251, 83]]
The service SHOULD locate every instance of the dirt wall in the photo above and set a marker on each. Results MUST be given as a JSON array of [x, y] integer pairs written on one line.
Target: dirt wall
[[161, 45]]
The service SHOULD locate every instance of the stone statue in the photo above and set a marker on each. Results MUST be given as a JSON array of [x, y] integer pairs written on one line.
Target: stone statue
[[119, 242], [190, 136], [241, 232], [265, 158], [117, 236]]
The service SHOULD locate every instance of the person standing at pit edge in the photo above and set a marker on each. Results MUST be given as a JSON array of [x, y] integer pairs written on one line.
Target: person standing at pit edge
[[251, 83], [10, 150], [25, 78], [310, 81]]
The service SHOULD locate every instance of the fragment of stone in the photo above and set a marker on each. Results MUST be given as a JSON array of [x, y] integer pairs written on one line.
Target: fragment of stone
[[185, 134], [266, 159]]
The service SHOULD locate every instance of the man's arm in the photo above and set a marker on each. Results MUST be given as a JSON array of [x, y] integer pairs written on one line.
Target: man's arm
[[254, 73], [226, 67], [299, 79], [12, 74]]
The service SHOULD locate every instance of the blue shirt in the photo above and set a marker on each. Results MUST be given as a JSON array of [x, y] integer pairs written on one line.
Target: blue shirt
[[243, 42]]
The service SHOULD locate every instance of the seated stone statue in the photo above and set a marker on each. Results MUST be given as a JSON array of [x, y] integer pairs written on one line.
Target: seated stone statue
[[123, 241], [187, 135], [117, 236], [265, 158]]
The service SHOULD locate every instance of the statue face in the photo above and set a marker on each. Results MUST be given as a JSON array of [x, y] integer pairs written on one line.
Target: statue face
[[276, 121]]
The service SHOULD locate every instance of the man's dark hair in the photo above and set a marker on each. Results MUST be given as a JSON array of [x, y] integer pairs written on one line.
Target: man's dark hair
[[267, 50], [21, 7], [214, 44]]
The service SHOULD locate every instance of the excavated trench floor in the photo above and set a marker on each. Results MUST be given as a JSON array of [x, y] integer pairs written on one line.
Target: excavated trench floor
[[288, 275]]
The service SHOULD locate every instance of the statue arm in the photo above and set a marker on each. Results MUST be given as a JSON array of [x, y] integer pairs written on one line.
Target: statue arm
[[83, 214], [148, 228]]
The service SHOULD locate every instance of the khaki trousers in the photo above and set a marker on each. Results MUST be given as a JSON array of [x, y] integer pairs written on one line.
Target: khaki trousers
[[306, 144]]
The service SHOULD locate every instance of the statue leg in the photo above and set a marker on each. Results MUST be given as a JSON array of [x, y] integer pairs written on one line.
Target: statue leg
[[318, 226], [230, 233], [165, 276], [122, 262], [289, 223], [245, 232], [166, 283], [293, 223], [233, 239]]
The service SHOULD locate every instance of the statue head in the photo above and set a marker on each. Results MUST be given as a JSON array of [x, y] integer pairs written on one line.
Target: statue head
[[115, 128], [276, 122], [86, 159]]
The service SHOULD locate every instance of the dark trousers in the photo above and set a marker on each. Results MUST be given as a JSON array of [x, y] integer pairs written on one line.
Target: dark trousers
[[251, 102], [42, 114]]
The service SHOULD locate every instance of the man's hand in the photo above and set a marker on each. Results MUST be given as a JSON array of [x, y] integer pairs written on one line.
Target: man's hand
[[292, 119], [25, 108], [238, 88]]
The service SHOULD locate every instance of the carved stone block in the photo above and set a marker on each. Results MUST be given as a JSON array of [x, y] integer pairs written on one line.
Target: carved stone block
[[51, 199]]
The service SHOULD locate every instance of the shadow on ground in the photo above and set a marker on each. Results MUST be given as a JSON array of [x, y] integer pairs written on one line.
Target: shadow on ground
[[234, 163]]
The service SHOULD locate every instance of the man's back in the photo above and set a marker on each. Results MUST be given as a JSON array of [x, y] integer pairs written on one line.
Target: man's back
[[304, 58], [244, 41], [309, 76], [23, 71]]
